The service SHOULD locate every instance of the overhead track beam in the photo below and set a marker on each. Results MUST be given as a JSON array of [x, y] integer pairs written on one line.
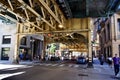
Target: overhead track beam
[[50, 11], [65, 31], [26, 20], [32, 10]]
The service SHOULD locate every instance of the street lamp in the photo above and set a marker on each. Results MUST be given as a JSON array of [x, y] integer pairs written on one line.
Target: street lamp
[[32, 47]]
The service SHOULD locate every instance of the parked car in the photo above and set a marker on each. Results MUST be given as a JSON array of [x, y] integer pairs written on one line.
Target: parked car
[[54, 58], [73, 58], [81, 60]]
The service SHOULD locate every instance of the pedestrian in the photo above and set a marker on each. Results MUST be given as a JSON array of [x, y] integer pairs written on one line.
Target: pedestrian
[[116, 60], [101, 58], [21, 55]]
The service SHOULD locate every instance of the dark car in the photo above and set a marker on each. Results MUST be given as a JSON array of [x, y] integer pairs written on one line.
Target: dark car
[[81, 60], [54, 58]]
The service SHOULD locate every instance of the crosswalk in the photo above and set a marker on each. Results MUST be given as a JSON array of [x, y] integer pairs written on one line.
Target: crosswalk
[[5, 73], [12, 71], [62, 65], [2, 76], [15, 68]]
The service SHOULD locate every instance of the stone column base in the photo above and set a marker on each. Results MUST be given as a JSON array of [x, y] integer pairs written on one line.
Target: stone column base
[[15, 61], [90, 65]]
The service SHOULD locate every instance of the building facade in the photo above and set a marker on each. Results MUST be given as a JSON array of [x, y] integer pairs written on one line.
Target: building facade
[[109, 35], [7, 40], [11, 44]]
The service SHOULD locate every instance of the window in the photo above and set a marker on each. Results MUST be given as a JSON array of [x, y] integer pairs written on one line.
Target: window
[[5, 53], [6, 39], [108, 27], [23, 41], [110, 51], [118, 24], [104, 35]]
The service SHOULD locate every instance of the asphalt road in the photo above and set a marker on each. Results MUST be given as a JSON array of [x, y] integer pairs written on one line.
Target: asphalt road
[[39, 72], [59, 71]]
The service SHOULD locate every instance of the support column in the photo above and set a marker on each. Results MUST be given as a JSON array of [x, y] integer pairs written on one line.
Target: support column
[[44, 47], [32, 48], [16, 57], [90, 57]]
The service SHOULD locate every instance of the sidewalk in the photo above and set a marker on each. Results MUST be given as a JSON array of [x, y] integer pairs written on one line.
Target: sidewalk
[[98, 72], [10, 65], [5, 62]]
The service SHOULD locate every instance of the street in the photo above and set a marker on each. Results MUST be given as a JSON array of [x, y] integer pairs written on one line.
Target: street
[[44, 72], [59, 71]]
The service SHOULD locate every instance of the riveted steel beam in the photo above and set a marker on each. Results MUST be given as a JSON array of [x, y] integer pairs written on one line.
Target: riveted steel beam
[[26, 20], [33, 11], [65, 31], [27, 11], [50, 11], [5, 6], [10, 4]]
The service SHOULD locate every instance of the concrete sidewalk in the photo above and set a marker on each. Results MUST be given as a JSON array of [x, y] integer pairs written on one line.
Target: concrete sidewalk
[[10, 65], [5, 62], [98, 72]]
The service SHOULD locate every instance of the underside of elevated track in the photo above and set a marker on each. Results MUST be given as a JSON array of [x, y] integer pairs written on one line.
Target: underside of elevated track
[[62, 21]]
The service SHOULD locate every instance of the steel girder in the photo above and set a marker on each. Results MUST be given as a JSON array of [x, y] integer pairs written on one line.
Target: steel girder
[[41, 15]]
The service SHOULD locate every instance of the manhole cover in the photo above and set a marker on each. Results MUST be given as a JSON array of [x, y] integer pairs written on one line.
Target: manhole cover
[[82, 75]]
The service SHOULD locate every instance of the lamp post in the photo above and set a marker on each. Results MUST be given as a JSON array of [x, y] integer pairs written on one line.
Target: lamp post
[[32, 47]]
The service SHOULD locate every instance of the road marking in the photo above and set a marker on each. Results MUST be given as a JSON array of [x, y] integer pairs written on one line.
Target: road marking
[[12, 69], [9, 75], [76, 66], [70, 65], [55, 65], [27, 67], [47, 64], [61, 65], [41, 64], [98, 69]]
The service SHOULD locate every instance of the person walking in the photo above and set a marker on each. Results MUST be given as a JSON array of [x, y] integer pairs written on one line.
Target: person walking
[[21, 55], [101, 58], [116, 60]]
